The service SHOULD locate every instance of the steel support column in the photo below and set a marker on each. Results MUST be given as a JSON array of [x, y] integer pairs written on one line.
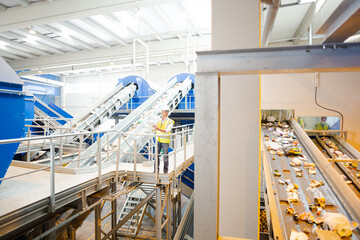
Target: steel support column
[[158, 213], [206, 193], [114, 211], [97, 222], [168, 214]]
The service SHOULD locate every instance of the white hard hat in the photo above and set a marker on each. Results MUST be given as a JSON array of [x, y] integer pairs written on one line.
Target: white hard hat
[[165, 108]]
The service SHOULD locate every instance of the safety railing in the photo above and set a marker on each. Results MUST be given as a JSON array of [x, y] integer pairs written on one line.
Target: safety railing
[[187, 104], [177, 156]]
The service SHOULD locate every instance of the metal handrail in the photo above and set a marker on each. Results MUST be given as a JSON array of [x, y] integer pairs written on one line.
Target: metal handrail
[[99, 155], [14, 140]]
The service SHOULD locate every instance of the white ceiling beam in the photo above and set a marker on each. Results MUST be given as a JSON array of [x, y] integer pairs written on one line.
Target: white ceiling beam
[[342, 23], [23, 47], [111, 18], [8, 60], [147, 25], [15, 51], [72, 59], [104, 30], [68, 36], [42, 80], [166, 19], [92, 37], [42, 13], [35, 44], [51, 40], [2, 8], [188, 14], [24, 3], [310, 15], [9, 55]]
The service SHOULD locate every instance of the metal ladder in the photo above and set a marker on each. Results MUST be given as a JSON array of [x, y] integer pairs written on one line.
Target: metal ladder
[[134, 223]]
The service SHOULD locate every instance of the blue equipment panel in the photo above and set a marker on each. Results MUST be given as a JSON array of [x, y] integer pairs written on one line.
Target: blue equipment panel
[[12, 107]]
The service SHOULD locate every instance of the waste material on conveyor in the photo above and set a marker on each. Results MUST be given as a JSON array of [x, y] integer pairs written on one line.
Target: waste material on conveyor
[[349, 171], [305, 198]]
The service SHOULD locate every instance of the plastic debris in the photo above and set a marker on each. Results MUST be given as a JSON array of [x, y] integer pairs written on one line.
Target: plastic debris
[[290, 210], [326, 235], [298, 235], [338, 223], [277, 173]]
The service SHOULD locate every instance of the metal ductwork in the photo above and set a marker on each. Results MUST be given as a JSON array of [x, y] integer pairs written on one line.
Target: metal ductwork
[[271, 13]]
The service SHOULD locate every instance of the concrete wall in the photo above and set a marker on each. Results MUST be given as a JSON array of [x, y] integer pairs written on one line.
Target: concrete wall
[[235, 123], [337, 91]]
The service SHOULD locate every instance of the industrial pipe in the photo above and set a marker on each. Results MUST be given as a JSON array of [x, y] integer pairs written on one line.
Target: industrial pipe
[[271, 13]]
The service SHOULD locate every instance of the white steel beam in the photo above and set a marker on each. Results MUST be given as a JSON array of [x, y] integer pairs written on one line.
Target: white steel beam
[[52, 40], [314, 9], [343, 22], [147, 25], [15, 51], [103, 54], [9, 55], [104, 30], [166, 19], [68, 36], [42, 80], [2, 8], [189, 16], [42, 13], [23, 47], [36, 43], [86, 34], [24, 3], [111, 18]]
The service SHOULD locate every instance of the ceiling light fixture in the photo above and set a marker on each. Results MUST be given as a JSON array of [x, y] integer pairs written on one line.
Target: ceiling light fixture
[[31, 39], [3, 44], [32, 31]]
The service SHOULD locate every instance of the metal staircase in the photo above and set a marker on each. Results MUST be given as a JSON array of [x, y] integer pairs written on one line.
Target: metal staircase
[[187, 181], [132, 226]]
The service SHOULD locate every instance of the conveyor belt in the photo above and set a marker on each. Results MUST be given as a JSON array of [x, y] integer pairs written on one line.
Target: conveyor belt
[[306, 197], [96, 114], [136, 122], [348, 171]]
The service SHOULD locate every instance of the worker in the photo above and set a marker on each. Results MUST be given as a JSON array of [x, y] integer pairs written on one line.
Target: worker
[[163, 127], [322, 125], [302, 123]]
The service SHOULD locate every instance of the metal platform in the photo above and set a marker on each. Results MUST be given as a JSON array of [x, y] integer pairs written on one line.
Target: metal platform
[[27, 198]]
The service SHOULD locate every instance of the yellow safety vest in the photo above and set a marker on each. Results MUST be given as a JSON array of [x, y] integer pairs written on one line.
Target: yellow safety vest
[[319, 127], [302, 123], [163, 126]]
